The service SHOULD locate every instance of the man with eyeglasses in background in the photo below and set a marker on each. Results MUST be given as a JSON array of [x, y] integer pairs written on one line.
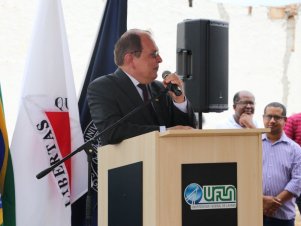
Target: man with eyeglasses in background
[[244, 108], [281, 169], [113, 96]]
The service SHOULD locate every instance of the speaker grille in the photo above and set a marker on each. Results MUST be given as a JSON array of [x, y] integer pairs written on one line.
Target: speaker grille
[[202, 62]]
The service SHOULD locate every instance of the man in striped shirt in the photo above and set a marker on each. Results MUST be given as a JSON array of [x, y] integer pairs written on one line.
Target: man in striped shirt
[[281, 169], [293, 130]]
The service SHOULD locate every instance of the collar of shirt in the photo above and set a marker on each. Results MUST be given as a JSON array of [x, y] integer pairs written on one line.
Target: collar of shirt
[[134, 81], [283, 138]]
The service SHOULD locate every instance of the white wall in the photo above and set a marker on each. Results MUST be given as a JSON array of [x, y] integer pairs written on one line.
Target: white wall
[[256, 60]]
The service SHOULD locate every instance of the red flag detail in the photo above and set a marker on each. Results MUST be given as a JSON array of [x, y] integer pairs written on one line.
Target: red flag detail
[[61, 128]]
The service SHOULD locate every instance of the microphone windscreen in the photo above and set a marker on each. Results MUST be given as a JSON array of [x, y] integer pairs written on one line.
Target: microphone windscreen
[[165, 73]]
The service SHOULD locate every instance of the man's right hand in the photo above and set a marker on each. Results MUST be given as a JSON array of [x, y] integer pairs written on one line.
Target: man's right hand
[[270, 205], [246, 120]]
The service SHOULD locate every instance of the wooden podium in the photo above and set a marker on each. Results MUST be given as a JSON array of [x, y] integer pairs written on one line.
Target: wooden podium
[[163, 156]]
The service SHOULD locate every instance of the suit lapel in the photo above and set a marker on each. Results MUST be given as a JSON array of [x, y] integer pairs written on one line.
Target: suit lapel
[[128, 88]]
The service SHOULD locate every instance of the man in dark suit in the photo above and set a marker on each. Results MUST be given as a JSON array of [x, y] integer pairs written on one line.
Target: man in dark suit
[[113, 96]]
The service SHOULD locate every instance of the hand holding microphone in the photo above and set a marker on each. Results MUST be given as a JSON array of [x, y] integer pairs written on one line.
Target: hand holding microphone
[[172, 82]]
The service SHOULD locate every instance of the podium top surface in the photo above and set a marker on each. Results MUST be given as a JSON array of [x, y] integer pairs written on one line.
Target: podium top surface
[[211, 132]]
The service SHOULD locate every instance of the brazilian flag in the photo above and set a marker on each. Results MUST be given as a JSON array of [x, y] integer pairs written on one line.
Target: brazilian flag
[[7, 185]]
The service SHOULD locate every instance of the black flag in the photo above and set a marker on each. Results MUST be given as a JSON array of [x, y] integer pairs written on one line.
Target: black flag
[[113, 25]]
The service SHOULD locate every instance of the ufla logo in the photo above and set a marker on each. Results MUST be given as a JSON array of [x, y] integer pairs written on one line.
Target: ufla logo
[[210, 196]]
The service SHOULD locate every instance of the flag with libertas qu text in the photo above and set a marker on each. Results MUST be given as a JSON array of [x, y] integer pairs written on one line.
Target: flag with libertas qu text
[[48, 127]]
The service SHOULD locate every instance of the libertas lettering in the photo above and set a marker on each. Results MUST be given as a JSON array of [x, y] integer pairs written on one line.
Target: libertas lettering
[[60, 171]]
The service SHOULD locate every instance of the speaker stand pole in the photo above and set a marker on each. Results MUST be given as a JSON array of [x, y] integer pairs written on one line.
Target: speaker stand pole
[[88, 209], [200, 120]]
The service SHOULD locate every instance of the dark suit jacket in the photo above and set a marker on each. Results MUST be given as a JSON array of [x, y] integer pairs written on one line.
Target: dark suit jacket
[[111, 97]]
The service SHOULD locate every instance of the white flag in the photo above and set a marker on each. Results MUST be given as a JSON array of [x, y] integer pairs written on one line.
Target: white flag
[[48, 127]]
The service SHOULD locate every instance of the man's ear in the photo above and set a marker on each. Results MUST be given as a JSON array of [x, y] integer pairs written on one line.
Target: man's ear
[[128, 58]]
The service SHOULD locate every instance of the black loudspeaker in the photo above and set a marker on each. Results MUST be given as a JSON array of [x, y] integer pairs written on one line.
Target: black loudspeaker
[[202, 63]]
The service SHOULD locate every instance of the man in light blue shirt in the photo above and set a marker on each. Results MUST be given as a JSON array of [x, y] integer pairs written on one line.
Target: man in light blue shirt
[[281, 170]]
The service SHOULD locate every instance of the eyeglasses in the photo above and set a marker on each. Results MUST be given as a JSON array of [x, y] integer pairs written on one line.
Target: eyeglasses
[[134, 52], [245, 103], [154, 54], [275, 117]]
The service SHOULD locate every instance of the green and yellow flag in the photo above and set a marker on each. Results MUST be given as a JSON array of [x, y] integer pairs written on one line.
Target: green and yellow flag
[[7, 187]]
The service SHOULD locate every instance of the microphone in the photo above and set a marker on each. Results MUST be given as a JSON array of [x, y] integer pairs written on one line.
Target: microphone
[[172, 87]]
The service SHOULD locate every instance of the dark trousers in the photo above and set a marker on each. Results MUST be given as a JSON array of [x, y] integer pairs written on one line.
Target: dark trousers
[[270, 221]]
